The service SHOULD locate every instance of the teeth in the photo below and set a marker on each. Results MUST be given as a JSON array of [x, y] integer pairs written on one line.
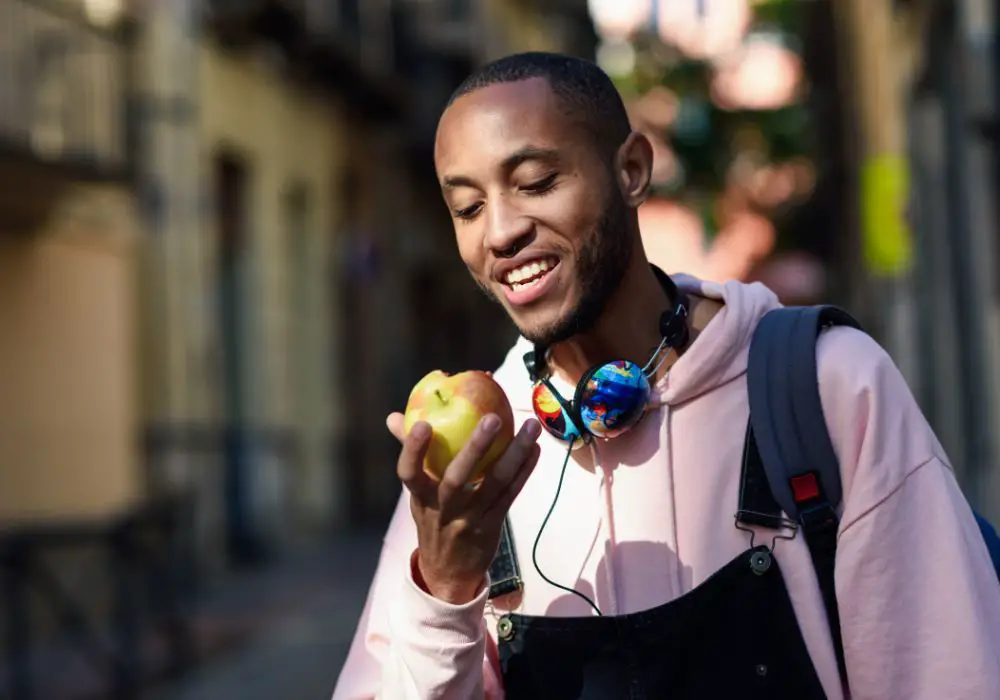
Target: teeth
[[528, 271], [522, 285]]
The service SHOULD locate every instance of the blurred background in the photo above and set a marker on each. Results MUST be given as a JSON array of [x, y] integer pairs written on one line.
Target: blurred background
[[224, 258]]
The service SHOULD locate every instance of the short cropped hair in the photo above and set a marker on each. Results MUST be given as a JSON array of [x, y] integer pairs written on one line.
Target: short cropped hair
[[585, 91]]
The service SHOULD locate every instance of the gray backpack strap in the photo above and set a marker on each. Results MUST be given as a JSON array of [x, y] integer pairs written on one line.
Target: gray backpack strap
[[785, 408], [788, 429]]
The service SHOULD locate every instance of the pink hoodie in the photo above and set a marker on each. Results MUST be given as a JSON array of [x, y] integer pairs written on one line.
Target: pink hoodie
[[646, 518]]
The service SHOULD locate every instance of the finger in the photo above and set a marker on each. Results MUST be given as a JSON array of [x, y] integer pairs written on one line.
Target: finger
[[410, 465], [458, 473], [503, 502], [396, 425], [509, 464]]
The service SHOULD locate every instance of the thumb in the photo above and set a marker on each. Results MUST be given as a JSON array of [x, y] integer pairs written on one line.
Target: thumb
[[394, 422]]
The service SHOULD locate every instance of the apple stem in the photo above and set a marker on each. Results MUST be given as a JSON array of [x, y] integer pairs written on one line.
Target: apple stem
[[437, 392]]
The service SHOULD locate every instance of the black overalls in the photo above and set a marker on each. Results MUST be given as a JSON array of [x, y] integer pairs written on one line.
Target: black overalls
[[734, 636]]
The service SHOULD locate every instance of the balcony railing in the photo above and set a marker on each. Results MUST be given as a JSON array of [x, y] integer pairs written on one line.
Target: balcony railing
[[345, 46], [147, 558], [63, 99], [449, 26]]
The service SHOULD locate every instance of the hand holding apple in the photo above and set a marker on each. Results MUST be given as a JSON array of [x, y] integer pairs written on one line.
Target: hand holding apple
[[453, 406], [457, 432]]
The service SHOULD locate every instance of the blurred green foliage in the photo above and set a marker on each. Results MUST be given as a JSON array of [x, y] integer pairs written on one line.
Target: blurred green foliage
[[707, 138]]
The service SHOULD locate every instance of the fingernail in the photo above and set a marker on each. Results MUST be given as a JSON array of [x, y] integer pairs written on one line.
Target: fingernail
[[532, 429], [490, 424], [420, 430]]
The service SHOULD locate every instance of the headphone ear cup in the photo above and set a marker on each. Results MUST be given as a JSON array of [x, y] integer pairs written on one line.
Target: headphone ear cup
[[611, 398], [554, 414]]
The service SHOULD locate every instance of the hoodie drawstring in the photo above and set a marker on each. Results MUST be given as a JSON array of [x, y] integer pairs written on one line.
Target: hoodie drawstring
[[608, 518]]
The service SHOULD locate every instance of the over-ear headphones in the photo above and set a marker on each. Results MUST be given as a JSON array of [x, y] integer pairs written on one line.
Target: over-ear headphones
[[610, 398]]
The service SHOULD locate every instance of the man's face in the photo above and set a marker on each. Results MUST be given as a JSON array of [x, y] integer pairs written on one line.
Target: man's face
[[540, 221]]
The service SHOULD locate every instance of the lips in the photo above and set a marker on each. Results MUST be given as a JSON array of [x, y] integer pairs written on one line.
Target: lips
[[530, 280]]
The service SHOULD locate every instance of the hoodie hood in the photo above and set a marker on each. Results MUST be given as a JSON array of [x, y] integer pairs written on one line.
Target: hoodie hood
[[717, 356]]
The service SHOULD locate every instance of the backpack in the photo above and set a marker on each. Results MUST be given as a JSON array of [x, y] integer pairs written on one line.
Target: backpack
[[787, 440]]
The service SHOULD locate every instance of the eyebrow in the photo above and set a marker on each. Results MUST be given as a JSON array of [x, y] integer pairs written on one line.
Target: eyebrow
[[529, 153], [511, 162]]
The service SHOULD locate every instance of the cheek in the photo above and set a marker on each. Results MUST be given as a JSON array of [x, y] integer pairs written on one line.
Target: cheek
[[470, 249], [574, 215]]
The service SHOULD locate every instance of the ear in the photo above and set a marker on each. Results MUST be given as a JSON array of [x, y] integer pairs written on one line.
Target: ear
[[634, 168]]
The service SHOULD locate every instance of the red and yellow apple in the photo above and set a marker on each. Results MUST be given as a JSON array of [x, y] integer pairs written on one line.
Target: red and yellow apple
[[453, 406]]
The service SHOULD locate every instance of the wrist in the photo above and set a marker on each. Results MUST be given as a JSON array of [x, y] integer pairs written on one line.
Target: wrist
[[446, 589]]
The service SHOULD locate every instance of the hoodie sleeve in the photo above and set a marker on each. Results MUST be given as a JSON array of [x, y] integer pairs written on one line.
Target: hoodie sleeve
[[411, 646], [919, 598]]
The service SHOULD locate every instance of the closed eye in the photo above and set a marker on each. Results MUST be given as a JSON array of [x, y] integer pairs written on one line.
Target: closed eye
[[541, 186], [468, 213]]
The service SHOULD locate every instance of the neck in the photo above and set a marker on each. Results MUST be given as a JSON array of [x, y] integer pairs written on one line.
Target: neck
[[627, 330]]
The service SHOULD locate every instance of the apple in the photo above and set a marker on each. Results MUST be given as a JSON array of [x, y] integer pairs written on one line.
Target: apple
[[453, 406]]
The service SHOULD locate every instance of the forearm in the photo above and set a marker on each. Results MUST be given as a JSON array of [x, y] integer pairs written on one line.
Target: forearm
[[436, 649], [408, 645]]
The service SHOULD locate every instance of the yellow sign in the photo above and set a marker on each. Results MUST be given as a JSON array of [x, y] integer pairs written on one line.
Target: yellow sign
[[887, 243]]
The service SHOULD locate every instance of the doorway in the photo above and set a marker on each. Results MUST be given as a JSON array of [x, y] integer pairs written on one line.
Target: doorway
[[232, 180]]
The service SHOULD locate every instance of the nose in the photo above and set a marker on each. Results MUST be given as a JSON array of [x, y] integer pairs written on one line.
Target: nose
[[509, 230]]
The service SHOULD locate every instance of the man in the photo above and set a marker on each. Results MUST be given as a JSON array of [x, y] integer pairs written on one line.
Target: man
[[635, 579]]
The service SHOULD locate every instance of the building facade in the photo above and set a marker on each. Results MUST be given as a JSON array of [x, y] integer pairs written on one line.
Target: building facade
[[305, 276], [224, 257], [69, 230], [241, 203]]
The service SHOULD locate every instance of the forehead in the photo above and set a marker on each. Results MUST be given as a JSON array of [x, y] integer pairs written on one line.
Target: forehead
[[488, 124]]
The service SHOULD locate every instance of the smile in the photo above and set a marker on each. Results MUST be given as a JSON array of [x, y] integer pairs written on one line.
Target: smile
[[529, 274], [530, 281]]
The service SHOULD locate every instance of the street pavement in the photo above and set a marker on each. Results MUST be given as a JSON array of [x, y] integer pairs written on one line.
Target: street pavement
[[299, 654]]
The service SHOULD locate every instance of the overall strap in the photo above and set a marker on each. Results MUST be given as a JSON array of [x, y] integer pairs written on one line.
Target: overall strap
[[757, 504], [789, 433], [505, 573]]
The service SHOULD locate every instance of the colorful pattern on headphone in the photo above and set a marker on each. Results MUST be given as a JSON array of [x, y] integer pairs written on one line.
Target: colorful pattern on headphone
[[613, 398], [553, 416]]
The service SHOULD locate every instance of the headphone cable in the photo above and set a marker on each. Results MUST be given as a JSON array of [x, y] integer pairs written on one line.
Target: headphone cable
[[538, 538]]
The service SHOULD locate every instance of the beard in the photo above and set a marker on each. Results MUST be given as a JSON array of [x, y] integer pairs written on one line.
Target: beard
[[601, 265]]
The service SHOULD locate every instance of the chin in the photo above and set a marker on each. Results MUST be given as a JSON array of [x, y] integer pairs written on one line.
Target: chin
[[542, 328]]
